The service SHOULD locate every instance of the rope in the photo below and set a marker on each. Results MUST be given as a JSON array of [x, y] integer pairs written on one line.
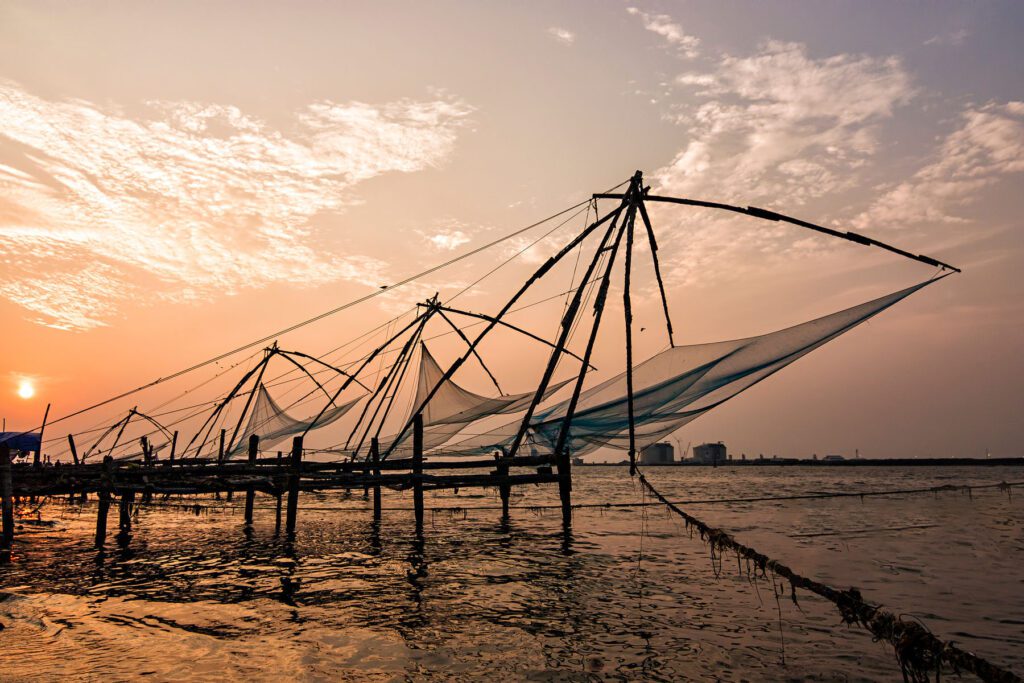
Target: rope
[[325, 314], [918, 651]]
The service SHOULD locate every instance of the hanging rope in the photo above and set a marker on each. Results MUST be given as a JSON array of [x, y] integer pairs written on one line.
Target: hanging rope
[[918, 651]]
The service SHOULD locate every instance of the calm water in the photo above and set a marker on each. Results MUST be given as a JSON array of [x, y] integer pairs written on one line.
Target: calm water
[[628, 596]]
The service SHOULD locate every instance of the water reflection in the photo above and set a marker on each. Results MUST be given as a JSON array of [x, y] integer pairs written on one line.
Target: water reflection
[[623, 593]]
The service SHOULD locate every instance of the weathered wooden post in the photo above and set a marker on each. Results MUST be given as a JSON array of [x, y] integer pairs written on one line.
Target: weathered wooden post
[[504, 486], [375, 459], [250, 493], [565, 486], [125, 516], [277, 522], [74, 451], [417, 469], [293, 486], [147, 459], [104, 504], [7, 495]]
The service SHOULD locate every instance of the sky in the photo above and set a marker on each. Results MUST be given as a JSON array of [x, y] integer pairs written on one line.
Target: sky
[[178, 179]]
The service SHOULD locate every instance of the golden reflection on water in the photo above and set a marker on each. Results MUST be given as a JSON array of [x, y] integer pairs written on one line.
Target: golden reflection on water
[[627, 594]]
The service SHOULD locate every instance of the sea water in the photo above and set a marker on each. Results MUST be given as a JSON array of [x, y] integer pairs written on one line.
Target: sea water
[[628, 594]]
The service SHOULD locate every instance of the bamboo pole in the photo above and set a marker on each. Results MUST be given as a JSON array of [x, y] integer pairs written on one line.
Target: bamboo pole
[[174, 444], [74, 450], [36, 459], [277, 518]]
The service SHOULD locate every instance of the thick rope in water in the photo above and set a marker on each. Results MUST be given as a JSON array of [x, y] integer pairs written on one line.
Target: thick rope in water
[[918, 651]]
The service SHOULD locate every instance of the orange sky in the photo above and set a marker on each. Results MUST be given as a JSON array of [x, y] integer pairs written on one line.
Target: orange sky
[[176, 180]]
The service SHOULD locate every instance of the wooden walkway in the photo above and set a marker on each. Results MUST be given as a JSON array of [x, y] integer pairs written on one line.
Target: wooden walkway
[[283, 477]]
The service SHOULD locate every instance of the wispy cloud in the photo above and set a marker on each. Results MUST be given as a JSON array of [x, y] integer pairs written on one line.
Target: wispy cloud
[[194, 199], [987, 146], [446, 239], [776, 128], [562, 35], [955, 39], [669, 30]]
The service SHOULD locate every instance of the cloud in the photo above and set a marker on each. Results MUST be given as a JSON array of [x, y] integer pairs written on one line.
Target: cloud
[[564, 36], [776, 128], [955, 39], [988, 145], [192, 200], [673, 33], [447, 240]]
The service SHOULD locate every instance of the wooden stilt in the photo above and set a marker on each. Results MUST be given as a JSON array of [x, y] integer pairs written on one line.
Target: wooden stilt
[[293, 486], [250, 493], [565, 486], [375, 459], [277, 520], [504, 486], [7, 495], [104, 504], [417, 469], [125, 516], [147, 458], [174, 444]]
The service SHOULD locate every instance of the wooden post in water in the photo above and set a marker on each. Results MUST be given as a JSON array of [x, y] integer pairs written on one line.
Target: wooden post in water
[[504, 486], [250, 493], [375, 459], [293, 486], [147, 459], [277, 522], [104, 505], [7, 496], [417, 469], [565, 486], [125, 517], [74, 451]]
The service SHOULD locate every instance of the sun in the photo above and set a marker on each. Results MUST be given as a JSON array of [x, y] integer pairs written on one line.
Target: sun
[[26, 389]]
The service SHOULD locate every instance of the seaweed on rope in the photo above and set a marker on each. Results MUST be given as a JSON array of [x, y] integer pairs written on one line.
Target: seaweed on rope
[[918, 651]]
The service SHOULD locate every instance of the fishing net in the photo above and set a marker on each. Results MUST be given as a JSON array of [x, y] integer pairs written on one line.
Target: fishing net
[[272, 424], [677, 386], [452, 407]]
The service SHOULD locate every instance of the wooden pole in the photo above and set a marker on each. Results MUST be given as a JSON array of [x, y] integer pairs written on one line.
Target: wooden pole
[[417, 469], [174, 444], [504, 486], [7, 494], [36, 460], [147, 459], [74, 450], [104, 505], [565, 486], [250, 493], [125, 516], [375, 459], [277, 522], [220, 457], [293, 486]]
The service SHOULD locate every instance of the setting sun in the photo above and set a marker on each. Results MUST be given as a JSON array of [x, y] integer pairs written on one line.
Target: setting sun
[[26, 389]]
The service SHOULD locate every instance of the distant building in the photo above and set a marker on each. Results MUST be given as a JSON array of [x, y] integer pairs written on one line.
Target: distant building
[[657, 454], [710, 453], [833, 458]]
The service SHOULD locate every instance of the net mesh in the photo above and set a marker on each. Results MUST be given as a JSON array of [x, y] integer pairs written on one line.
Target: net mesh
[[677, 386], [272, 424]]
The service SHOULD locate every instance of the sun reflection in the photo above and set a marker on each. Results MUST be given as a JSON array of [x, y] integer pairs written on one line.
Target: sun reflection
[[26, 389]]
